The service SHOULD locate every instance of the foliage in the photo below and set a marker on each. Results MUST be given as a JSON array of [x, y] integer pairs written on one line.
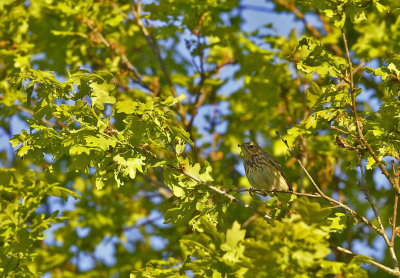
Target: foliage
[[125, 118]]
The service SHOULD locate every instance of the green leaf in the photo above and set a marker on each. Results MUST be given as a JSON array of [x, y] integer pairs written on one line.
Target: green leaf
[[63, 192], [311, 212], [338, 222], [126, 106], [130, 165], [232, 247], [101, 94], [313, 94], [381, 8]]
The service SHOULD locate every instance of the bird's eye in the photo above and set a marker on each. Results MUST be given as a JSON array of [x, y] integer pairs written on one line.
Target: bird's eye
[[251, 146]]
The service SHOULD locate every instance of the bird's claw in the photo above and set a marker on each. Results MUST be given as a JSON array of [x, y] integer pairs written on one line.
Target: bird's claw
[[252, 191]]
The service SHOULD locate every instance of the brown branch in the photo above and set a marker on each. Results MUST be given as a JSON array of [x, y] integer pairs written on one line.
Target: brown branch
[[396, 173], [393, 272], [365, 190], [125, 61], [222, 192], [315, 195], [26, 110], [324, 196], [365, 143], [152, 42], [343, 131], [21, 108], [201, 97], [358, 122], [344, 81], [394, 229], [161, 187], [290, 5]]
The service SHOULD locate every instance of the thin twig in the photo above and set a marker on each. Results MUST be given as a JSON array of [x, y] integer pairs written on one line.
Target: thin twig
[[200, 96], [365, 190], [161, 187], [125, 61], [21, 108], [361, 137], [136, 10], [324, 196], [26, 110], [370, 261], [222, 192], [344, 81], [290, 5], [358, 122], [315, 195], [343, 131], [396, 173], [394, 229]]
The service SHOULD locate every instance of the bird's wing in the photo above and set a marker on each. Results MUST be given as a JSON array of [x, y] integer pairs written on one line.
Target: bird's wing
[[279, 168]]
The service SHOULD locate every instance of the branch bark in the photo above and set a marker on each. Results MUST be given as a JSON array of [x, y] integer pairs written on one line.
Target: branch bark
[[223, 193], [393, 272], [358, 121], [136, 10], [329, 199]]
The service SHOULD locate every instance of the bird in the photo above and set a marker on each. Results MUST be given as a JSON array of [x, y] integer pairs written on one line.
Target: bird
[[262, 170]]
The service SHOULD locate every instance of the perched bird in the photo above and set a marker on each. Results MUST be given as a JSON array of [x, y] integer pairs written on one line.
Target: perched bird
[[262, 170]]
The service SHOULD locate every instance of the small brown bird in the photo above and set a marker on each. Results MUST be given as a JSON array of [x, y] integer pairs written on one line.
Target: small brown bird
[[262, 170]]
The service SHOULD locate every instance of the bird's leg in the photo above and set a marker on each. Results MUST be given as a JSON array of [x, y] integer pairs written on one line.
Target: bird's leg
[[252, 190]]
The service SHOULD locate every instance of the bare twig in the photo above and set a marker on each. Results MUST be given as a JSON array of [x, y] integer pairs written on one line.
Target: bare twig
[[358, 121], [361, 137], [200, 98], [125, 61], [315, 195], [394, 228], [365, 190], [26, 110], [396, 173], [324, 196], [290, 5], [161, 187], [344, 81], [222, 192], [370, 261], [343, 131], [151, 40], [21, 108]]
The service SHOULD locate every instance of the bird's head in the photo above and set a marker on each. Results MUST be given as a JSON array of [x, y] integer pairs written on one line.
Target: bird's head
[[250, 148]]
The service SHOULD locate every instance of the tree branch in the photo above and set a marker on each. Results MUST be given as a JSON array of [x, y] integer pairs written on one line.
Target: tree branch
[[324, 196], [358, 122], [315, 195], [222, 192], [125, 60], [396, 173], [393, 272], [136, 10], [365, 190], [291, 7]]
